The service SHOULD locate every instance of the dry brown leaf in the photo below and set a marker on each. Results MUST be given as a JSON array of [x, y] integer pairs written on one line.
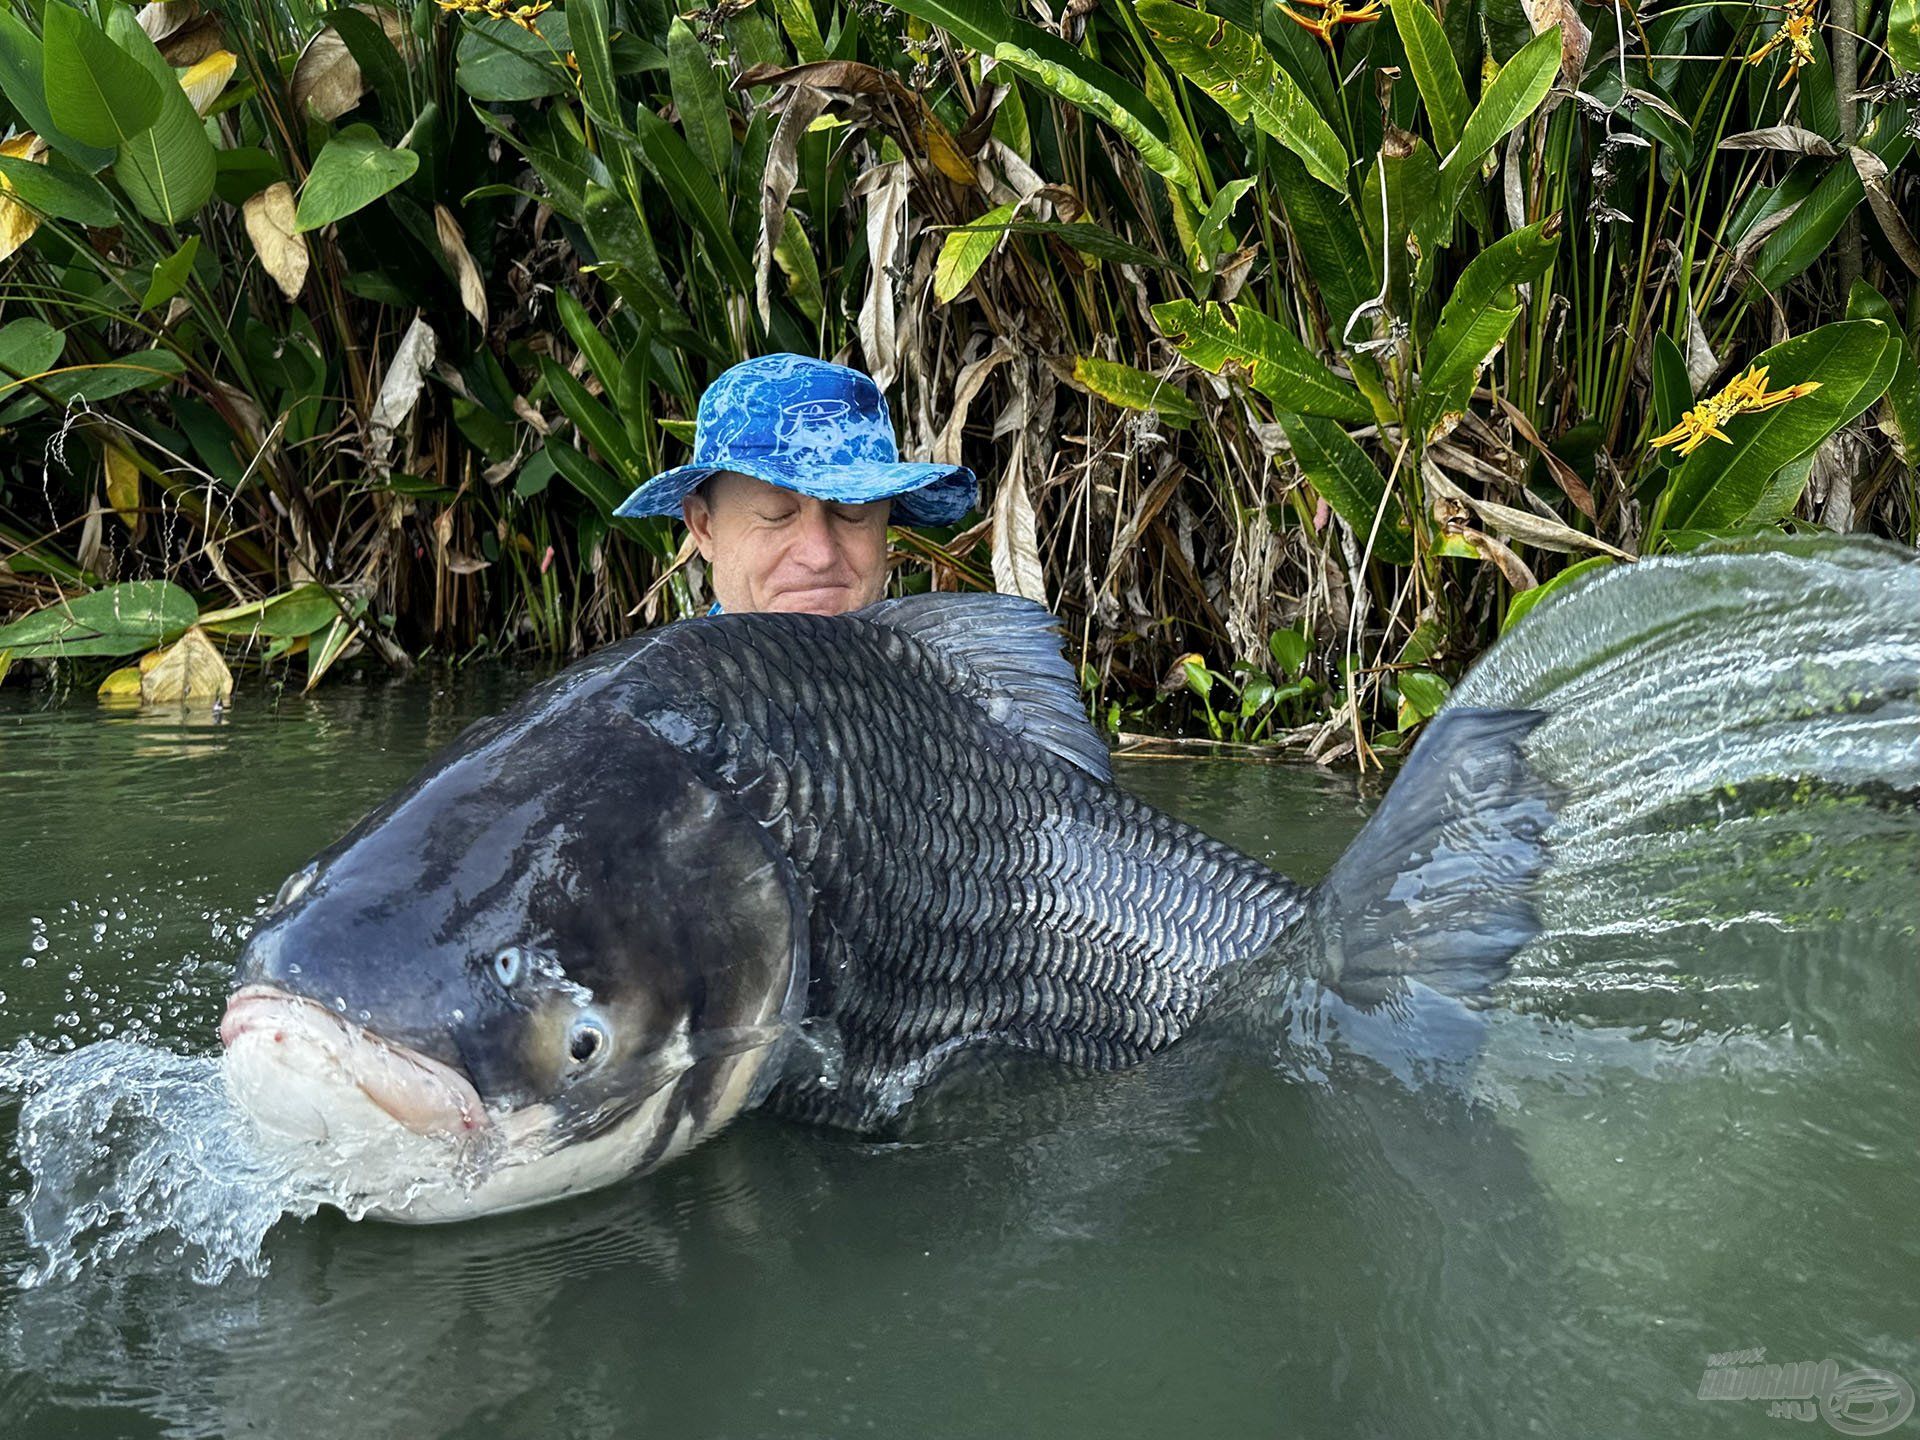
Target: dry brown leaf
[[1016, 548], [805, 105], [1575, 38], [163, 17], [326, 79], [1523, 525], [1564, 475], [189, 671], [966, 385], [400, 389], [1790, 138], [1872, 171], [282, 251], [453, 241], [885, 189]]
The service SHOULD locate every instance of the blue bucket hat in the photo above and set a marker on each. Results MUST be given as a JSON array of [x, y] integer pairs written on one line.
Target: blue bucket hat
[[813, 427]]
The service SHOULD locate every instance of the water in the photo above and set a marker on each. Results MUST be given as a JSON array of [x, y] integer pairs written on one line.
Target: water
[[1543, 1218]]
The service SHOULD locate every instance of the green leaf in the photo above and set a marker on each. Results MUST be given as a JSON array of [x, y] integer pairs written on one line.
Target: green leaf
[[1215, 237], [23, 82], [1717, 485], [1515, 93], [793, 252], [1218, 338], [1134, 389], [595, 58], [619, 237], [1781, 496], [96, 91], [1330, 242], [170, 275], [966, 249], [796, 18], [1903, 35], [1434, 71], [1145, 134], [1807, 234], [29, 347], [1289, 649], [167, 169], [287, 616], [596, 423], [1235, 69], [695, 191], [1672, 389], [352, 172], [1422, 693], [119, 620], [698, 97], [586, 335], [142, 370], [1351, 483], [60, 193], [1903, 394], [1573, 574], [1091, 239], [498, 61], [1474, 322]]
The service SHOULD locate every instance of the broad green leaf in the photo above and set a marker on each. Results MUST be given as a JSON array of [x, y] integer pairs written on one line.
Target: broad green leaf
[[1351, 483], [1235, 69], [1070, 85], [1215, 235], [619, 237], [1134, 389], [1289, 649], [170, 275], [1241, 339], [1781, 495], [1476, 318], [793, 253], [592, 344], [29, 347], [1422, 693], [966, 249], [63, 194], [1903, 35], [1434, 71], [167, 169], [352, 172], [1515, 93], [498, 61], [1672, 390], [1518, 607], [287, 616], [695, 190], [328, 646], [1330, 242], [595, 58], [985, 25], [596, 423], [699, 99], [96, 91], [1903, 394], [1411, 181], [606, 493], [796, 18], [119, 620], [1718, 484], [1807, 234], [23, 82], [141, 370]]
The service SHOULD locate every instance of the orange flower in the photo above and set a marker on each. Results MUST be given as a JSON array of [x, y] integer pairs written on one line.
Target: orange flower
[[1796, 32], [1743, 395], [1332, 13]]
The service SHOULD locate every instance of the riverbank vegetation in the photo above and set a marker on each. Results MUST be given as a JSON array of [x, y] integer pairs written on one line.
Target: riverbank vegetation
[[1300, 346]]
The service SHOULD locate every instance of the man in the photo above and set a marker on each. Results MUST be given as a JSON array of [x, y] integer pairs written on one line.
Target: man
[[794, 480]]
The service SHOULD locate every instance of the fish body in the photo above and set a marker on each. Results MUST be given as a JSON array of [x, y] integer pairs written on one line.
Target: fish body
[[795, 860]]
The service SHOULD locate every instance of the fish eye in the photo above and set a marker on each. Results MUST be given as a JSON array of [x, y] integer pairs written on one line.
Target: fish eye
[[292, 888], [507, 966], [586, 1040]]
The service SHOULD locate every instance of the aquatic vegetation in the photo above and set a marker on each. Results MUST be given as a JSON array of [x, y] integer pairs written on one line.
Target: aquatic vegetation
[[1362, 321]]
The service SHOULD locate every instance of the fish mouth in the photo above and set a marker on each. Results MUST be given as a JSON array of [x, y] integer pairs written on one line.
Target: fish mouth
[[304, 1071]]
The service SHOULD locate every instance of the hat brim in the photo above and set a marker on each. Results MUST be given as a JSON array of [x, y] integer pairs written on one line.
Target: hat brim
[[921, 494]]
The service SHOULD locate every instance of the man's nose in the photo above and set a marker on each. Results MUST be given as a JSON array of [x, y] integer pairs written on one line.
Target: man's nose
[[813, 543]]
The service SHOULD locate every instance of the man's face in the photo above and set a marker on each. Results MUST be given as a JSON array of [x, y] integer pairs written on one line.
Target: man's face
[[770, 549]]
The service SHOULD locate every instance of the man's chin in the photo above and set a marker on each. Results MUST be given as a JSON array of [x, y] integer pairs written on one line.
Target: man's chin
[[814, 600]]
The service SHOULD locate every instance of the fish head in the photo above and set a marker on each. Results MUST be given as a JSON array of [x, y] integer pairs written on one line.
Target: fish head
[[551, 962]]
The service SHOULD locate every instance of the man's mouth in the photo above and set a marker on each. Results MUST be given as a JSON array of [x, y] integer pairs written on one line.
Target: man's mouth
[[300, 1069]]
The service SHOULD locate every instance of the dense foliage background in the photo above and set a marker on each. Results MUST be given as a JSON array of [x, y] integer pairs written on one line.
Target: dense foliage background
[[1296, 344]]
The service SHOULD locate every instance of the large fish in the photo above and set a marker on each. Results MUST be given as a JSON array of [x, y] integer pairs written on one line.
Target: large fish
[[811, 862]]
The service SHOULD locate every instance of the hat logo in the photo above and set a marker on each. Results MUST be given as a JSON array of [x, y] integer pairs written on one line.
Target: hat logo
[[802, 416]]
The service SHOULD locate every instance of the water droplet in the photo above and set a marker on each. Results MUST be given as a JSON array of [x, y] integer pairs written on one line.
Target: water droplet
[[459, 1015], [27, 962], [39, 943]]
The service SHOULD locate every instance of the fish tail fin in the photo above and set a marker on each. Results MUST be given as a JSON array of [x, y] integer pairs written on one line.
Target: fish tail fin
[[1686, 744]]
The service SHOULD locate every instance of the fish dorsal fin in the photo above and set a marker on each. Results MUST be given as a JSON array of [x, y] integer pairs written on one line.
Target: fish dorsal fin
[[1009, 651]]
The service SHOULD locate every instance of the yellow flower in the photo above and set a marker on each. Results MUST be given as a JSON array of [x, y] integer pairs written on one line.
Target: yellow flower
[[17, 222], [1796, 32], [521, 15], [1743, 395]]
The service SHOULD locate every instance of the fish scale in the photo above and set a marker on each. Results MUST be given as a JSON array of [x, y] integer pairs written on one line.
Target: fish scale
[[1021, 899]]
